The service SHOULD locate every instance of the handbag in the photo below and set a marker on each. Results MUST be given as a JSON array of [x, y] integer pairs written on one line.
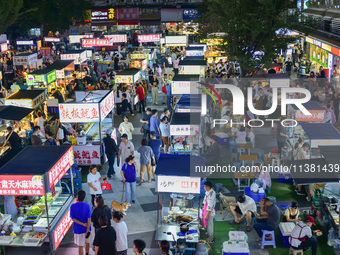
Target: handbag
[[142, 129], [164, 90], [106, 185]]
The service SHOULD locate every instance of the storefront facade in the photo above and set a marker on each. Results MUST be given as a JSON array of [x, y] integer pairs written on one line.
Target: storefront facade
[[322, 54]]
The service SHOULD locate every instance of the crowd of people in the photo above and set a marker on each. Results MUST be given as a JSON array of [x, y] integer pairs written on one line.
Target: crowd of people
[[108, 237]]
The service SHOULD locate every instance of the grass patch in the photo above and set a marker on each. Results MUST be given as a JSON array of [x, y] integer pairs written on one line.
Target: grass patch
[[284, 192], [221, 230]]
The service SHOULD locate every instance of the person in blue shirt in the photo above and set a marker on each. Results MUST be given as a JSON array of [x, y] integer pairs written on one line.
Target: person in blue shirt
[[80, 213], [155, 145], [154, 122], [168, 95]]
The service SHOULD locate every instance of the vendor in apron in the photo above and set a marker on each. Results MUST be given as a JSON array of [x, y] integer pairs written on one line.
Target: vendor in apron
[[302, 238], [209, 211], [292, 213]]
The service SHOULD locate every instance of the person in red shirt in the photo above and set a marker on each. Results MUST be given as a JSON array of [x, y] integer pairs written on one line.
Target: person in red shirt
[[141, 96]]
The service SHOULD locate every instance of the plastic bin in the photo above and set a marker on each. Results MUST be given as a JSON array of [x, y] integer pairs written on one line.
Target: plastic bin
[[285, 178], [233, 248], [285, 231], [222, 138]]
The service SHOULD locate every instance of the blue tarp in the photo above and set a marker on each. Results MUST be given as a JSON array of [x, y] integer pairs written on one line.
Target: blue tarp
[[190, 100], [310, 105], [178, 165], [320, 131], [34, 160]]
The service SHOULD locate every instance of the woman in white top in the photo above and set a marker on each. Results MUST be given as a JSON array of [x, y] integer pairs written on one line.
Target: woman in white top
[[93, 180], [164, 126], [241, 135], [118, 99], [121, 232], [39, 121], [126, 127]]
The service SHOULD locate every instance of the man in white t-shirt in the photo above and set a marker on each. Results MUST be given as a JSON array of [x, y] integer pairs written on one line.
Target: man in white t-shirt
[[126, 149], [246, 207], [302, 236]]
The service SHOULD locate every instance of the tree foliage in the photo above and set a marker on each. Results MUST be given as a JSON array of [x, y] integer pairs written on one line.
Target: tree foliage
[[10, 12], [56, 15], [250, 27]]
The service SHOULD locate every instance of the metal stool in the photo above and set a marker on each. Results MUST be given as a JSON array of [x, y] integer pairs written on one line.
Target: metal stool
[[295, 252], [269, 242]]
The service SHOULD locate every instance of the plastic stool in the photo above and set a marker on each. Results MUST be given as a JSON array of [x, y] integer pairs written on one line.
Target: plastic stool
[[269, 242], [295, 252]]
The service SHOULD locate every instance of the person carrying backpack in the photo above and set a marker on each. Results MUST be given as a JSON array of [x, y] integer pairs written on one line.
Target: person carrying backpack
[[50, 140]]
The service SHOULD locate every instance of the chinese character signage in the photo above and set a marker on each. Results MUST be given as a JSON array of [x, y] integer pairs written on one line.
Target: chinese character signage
[[128, 14], [60, 74], [26, 103], [4, 47], [178, 184], [51, 77], [25, 42], [77, 57], [76, 38], [20, 60], [51, 39], [21, 185], [149, 13], [190, 14], [61, 230], [95, 42], [33, 58], [176, 39], [184, 87], [191, 70], [194, 53], [60, 168], [45, 51], [124, 79], [184, 129], [317, 116], [139, 56], [87, 155], [106, 105], [149, 38], [33, 80], [104, 14], [78, 113], [117, 38]]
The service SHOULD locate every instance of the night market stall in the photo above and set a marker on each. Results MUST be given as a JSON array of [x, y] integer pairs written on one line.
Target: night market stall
[[89, 114], [316, 134], [178, 214], [42, 77], [185, 84], [38, 203], [19, 119], [27, 98], [192, 66], [185, 130]]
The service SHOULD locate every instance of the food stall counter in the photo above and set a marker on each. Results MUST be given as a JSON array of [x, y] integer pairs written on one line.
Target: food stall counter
[[34, 176], [89, 111], [27, 98], [178, 214]]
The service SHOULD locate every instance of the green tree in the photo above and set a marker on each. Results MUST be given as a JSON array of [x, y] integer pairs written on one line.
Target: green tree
[[10, 12], [56, 15], [250, 25]]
